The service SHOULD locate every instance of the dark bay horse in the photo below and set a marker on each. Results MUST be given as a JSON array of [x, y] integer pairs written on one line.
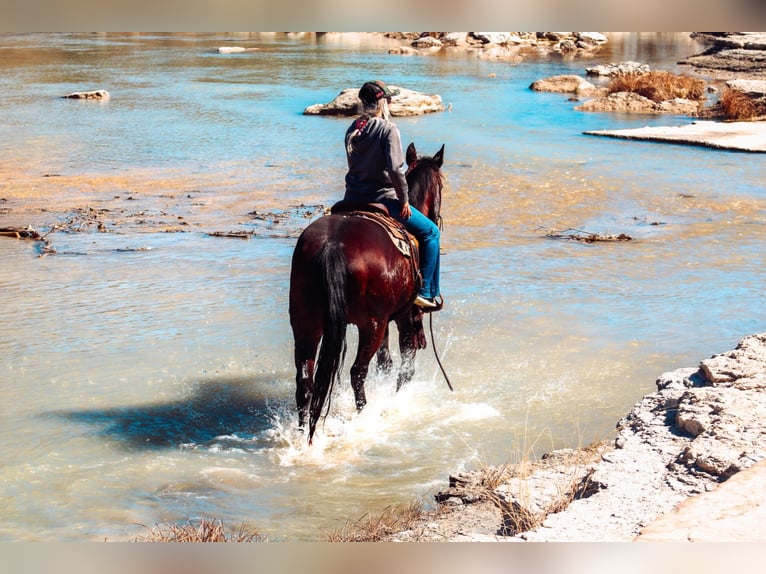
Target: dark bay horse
[[347, 270]]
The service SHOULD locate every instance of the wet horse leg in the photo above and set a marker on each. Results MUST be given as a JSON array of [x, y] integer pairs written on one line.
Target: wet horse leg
[[411, 338], [383, 357], [370, 338], [305, 355]]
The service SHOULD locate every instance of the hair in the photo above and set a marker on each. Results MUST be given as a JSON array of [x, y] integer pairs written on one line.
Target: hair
[[378, 108]]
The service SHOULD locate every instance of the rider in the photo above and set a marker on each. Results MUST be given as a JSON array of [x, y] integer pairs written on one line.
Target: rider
[[376, 174]]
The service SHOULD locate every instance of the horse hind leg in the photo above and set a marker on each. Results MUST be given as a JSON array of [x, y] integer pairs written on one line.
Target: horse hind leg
[[305, 358], [370, 339]]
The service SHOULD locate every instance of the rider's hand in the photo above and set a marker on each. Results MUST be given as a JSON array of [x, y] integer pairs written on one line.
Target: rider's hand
[[406, 212]]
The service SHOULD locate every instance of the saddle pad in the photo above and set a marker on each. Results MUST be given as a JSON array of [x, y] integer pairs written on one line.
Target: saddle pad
[[399, 236]]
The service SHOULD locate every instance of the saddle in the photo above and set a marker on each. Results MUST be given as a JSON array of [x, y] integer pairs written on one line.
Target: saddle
[[404, 241], [377, 212]]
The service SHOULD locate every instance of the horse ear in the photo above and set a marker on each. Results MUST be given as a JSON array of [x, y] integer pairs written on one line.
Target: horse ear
[[412, 154], [439, 157]]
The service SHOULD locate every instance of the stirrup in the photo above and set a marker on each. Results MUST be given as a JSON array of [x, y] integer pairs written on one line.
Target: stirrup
[[427, 306]]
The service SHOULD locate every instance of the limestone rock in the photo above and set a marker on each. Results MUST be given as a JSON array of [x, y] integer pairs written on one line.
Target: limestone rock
[[754, 88], [406, 103], [609, 70], [427, 42], [619, 102], [733, 512], [631, 102], [732, 54], [684, 440], [497, 37], [567, 83], [454, 38], [594, 38], [745, 365]]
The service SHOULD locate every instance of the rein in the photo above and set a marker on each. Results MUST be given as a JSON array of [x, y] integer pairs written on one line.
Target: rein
[[433, 346]]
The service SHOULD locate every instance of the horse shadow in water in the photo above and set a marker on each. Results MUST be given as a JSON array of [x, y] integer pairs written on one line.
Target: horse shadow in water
[[216, 408]]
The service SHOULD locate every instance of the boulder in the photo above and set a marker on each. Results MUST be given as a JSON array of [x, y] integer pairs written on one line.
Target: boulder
[[678, 107], [427, 42], [618, 69], [454, 38], [406, 103], [631, 102], [591, 38], [497, 37], [745, 366], [753, 88], [565, 84]]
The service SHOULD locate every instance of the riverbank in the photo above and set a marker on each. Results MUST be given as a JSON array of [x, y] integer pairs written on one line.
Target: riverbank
[[693, 449], [675, 457]]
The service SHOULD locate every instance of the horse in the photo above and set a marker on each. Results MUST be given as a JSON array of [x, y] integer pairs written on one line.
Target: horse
[[346, 270]]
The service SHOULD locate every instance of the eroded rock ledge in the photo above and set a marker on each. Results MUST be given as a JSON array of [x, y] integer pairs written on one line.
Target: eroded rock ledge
[[702, 426]]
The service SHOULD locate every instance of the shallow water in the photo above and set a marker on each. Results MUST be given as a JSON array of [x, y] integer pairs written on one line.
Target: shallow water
[[147, 377]]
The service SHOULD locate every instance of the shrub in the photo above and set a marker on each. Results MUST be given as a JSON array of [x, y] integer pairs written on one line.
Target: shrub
[[736, 105], [659, 85]]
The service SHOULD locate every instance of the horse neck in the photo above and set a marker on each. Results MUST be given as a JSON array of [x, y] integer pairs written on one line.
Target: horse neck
[[422, 196]]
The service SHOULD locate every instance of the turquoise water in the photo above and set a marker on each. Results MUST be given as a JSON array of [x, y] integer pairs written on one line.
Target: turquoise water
[[147, 377]]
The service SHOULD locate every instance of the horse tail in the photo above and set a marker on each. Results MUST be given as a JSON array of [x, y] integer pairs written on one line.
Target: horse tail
[[332, 264]]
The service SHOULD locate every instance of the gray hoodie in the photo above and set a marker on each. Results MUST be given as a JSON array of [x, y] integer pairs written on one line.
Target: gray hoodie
[[376, 165]]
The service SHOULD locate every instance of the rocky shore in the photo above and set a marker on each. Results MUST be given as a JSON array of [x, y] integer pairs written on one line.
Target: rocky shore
[[734, 61], [703, 426]]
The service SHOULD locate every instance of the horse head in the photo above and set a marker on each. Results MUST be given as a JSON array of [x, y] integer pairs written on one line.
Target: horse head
[[425, 181]]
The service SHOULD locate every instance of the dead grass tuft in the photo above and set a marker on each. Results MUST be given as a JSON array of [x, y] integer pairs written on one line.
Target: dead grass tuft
[[375, 528], [521, 513], [205, 530], [659, 86], [736, 105]]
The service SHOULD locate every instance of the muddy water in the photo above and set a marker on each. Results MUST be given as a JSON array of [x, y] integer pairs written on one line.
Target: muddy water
[[146, 371]]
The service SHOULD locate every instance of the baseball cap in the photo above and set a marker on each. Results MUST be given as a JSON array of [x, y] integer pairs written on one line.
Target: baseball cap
[[373, 91]]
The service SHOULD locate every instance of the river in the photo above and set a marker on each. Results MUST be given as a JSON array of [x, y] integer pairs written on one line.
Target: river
[[147, 377]]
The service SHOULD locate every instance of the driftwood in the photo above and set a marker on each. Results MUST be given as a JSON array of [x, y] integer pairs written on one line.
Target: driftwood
[[20, 233], [31, 234], [586, 237], [235, 234]]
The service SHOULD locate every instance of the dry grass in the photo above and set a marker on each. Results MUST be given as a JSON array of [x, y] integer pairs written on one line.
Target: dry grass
[[659, 85], [375, 528], [736, 105], [205, 530], [522, 514]]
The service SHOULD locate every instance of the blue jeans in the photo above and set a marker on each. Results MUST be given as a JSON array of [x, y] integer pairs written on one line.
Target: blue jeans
[[427, 234]]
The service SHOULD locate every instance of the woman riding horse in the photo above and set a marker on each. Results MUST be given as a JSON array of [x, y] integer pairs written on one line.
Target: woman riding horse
[[347, 268], [376, 174]]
